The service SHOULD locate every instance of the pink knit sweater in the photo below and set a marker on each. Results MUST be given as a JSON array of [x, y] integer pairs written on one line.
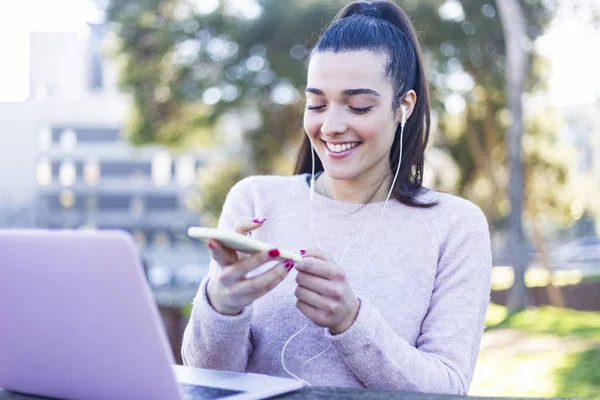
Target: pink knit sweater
[[422, 278]]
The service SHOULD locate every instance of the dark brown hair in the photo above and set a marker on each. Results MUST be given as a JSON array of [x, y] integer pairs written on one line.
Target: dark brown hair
[[383, 27]]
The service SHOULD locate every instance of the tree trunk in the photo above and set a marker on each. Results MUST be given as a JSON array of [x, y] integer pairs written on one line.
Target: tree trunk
[[514, 28], [483, 162]]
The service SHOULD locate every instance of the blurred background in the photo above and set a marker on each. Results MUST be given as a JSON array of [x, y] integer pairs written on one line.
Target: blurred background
[[141, 114]]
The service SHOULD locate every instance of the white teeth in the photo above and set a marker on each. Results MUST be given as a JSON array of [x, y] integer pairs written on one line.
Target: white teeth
[[338, 148]]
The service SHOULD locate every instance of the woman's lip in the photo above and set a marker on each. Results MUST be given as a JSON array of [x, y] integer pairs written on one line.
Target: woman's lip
[[342, 154]]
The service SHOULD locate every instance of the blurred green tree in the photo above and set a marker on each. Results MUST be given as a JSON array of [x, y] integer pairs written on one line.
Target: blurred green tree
[[235, 72]]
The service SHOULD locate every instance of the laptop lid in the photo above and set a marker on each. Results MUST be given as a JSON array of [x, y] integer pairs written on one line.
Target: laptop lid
[[78, 318]]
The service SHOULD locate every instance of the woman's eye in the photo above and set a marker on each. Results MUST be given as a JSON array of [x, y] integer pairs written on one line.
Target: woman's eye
[[360, 110], [315, 108]]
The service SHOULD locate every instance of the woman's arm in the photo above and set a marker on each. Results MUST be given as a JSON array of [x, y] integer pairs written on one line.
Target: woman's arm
[[446, 351], [216, 341], [213, 340]]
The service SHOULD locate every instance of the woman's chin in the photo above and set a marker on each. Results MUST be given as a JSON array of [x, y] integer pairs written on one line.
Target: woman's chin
[[340, 173]]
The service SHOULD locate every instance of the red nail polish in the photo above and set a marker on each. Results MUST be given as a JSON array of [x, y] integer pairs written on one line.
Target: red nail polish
[[274, 253], [289, 264], [259, 221], [211, 245], [302, 252]]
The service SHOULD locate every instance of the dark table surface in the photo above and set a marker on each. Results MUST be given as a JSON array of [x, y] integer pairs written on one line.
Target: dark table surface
[[311, 393]]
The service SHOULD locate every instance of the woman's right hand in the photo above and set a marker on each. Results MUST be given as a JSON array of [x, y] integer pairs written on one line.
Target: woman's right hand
[[228, 289]]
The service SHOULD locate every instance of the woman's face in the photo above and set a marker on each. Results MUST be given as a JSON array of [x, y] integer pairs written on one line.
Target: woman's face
[[349, 116]]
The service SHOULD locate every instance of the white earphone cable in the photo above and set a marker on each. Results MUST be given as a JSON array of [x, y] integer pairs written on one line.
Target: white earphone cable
[[312, 190]]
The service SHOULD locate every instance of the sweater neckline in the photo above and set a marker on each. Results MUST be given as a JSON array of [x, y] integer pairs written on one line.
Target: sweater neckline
[[342, 207]]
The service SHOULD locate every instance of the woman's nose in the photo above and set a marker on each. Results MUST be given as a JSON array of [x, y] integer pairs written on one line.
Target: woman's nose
[[333, 123]]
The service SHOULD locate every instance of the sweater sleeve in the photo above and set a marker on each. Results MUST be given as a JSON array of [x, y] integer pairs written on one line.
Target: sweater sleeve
[[444, 357], [213, 340]]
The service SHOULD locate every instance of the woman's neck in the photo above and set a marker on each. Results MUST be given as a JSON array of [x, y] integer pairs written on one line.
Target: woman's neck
[[361, 190]]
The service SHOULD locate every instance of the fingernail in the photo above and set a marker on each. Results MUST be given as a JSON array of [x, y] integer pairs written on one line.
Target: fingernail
[[289, 264], [274, 253], [259, 220], [211, 245], [303, 252]]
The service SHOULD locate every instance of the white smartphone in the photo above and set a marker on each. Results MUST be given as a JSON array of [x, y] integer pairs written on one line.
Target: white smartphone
[[237, 241]]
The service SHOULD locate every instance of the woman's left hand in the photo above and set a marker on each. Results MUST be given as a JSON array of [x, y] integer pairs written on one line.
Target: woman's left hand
[[323, 292]]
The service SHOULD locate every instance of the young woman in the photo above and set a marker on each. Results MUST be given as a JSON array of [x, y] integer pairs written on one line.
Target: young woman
[[395, 279]]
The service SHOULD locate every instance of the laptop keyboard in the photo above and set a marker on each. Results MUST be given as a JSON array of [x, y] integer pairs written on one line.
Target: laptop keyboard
[[205, 392]]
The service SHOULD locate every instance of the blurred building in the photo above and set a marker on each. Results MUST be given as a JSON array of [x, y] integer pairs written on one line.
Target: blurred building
[[582, 131], [64, 162]]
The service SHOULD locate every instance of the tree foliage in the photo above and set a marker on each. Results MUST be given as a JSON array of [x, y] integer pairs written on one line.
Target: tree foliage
[[236, 76]]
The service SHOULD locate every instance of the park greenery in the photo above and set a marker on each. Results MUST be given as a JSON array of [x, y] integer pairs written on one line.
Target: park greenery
[[543, 352], [235, 76]]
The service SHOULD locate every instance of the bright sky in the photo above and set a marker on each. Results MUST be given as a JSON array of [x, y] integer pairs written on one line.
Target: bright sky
[[17, 19], [572, 47], [574, 51]]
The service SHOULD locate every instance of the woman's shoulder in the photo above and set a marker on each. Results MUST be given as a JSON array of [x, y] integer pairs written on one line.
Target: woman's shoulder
[[452, 212]]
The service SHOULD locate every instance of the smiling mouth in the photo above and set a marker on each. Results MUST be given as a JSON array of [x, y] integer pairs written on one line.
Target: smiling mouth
[[340, 147]]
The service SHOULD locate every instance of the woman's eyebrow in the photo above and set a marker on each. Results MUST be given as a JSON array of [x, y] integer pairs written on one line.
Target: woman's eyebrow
[[347, 92], [354, 92], [314, 91]]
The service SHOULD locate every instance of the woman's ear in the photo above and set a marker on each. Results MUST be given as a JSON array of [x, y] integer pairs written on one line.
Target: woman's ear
[[410, 99]]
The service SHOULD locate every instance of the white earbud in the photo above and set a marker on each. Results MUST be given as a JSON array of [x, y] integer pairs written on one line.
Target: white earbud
[[403, 114]]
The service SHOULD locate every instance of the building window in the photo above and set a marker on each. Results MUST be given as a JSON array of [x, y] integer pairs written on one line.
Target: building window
[[95, 56], [67, 173], [44, 138], [91, 172], [42, 92], [137, 206], [91, 203], [160, 239], [114, 202], [140, 238], [68, 140], [161, 169], [44, 172], [138, 178], [66, 198], [162, 202], [186, 171]]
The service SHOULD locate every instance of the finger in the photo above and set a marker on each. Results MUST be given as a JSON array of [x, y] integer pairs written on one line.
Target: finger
[[318, 267], [312, 298], [246, 225], [309, 311], [316, 252], [224, 256], [239, 270], [319, 285], [259, 285]]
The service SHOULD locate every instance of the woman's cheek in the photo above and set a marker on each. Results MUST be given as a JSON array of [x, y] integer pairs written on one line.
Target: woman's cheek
[[311, 126]]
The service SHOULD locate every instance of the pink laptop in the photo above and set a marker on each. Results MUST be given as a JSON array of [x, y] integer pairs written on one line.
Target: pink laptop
[[78, 321]]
